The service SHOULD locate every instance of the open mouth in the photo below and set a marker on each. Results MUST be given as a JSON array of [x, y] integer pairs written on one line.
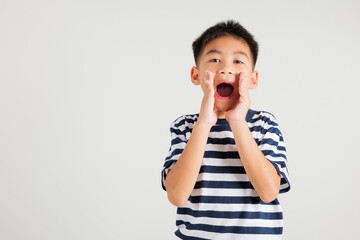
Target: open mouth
[[224, 89]]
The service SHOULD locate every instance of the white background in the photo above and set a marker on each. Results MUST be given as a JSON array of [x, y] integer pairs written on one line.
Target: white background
[[88, 90]]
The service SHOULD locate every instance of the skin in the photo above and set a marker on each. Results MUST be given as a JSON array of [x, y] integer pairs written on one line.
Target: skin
[[223, 59]]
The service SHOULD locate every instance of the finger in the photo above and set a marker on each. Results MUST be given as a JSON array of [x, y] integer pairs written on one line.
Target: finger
[[242, 85], [210, 76], [209, 79]]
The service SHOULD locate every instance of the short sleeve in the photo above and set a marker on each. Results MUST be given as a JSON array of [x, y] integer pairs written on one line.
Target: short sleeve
[[178, 131], [273, 147]]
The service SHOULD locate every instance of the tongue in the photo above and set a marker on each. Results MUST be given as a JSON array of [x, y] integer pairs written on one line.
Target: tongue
[[224, 90]]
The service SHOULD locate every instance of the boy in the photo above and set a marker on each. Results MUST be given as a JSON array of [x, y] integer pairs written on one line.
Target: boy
[[227, 164]]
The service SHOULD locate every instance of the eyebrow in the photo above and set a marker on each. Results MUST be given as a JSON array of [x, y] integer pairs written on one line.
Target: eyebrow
[[219, 52]]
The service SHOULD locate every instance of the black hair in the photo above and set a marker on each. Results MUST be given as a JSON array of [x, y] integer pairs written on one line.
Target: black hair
[[228, 28]]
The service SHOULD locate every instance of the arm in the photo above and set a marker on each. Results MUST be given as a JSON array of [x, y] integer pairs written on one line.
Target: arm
[[181, 179], [262, 174]]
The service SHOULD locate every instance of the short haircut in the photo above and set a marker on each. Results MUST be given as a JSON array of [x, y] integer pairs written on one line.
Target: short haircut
[[228, 28]]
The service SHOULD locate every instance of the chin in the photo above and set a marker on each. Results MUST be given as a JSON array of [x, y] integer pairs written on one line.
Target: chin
[[223, 107]]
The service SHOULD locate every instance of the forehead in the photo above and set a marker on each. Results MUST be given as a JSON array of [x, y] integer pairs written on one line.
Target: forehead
[[227, 44]]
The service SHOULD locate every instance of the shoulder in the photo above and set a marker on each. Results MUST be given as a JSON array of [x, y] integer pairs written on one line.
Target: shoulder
[[185, 122], [262, 118]]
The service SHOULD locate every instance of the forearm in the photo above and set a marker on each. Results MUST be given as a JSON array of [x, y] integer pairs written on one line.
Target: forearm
[[181, 179], [262, 174]]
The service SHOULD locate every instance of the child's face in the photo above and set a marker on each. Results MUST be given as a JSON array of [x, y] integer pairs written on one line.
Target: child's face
[[226, 57]]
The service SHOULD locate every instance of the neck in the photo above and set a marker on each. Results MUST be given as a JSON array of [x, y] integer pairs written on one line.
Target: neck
[[221, 115]]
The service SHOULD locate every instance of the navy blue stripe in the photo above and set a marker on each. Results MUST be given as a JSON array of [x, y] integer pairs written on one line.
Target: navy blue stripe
[[223, 184], [250, 116], [283, 181], [230, 200], [175, 152], [167, 164], [282, 164], [221, 141], [220, 128], [222, 169], [232, 229], [231, 214], [176, 141], [264, 131], [179, 132], [284, 190], [162, 184], [284, 178], [176, 131], [222, 155], [182, 236], [265, 120], [275, 155], [183, 122], [190, 118], [271, 142], [268, 120]]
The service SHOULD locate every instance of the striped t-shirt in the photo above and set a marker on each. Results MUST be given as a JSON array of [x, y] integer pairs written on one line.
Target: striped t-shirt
[[223, 204]]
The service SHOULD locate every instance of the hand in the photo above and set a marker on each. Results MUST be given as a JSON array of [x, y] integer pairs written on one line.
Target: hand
[[208, 113], [238, 113]]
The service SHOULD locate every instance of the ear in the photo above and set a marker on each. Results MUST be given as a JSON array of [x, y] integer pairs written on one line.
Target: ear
[[254, 79], [195, 76]]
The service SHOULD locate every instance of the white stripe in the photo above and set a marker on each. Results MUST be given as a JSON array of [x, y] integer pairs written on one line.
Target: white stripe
[[281, 169], [257, 135], [272, 148], [266, 125], [222, 162], [222, 134], [179, 119], [233, 207], [268, 115], [255, 124], [224, 148], [256, 115], [270, 135], [223, 177], [182, 137], [174, 157], [224, 192], [228, 236], [189, 125], [283, 186], [272, 223], [180, 145], [276, 159], [173, 148]]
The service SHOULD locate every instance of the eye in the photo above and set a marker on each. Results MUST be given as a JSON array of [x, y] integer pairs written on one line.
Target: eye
[[215, 60], [238, 62]]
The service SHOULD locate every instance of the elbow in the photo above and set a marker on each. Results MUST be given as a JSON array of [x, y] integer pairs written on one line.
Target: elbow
[[270, 194], [176, 195], [268, 198], [178, 200]]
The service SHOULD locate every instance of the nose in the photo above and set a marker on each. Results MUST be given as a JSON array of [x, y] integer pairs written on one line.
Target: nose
[[226, 72], [225, 69]]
